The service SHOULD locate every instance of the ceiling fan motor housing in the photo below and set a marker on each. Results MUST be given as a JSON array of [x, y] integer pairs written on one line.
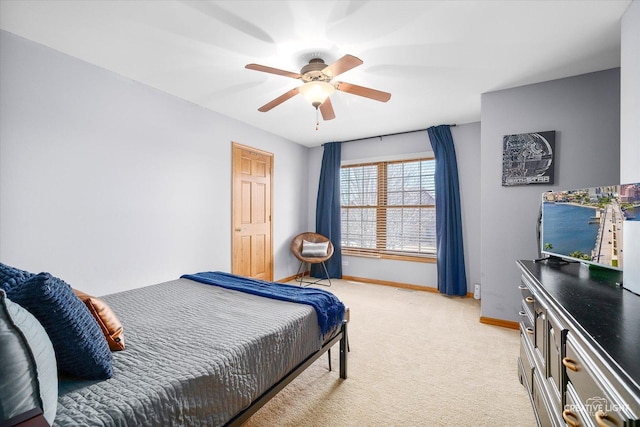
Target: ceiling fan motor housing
[[313, 71]]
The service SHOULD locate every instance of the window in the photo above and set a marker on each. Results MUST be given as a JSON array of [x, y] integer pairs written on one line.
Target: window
[[388, 209]]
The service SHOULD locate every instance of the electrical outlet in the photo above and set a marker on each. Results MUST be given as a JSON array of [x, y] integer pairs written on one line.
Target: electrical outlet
[[476, 291]]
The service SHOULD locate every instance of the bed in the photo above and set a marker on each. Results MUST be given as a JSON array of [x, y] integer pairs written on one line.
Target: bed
[[202, 353]]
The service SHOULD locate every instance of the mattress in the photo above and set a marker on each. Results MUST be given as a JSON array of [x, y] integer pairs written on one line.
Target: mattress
[[195, 355]]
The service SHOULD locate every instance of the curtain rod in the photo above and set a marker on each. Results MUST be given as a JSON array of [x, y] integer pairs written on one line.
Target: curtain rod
[[389, 134]]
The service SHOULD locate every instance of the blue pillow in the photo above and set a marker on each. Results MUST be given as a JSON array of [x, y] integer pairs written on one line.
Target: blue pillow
[[10, 276], [28, 368], [80, 346]]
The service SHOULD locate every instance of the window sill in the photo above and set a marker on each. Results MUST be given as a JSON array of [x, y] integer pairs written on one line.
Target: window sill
[[429, 259]]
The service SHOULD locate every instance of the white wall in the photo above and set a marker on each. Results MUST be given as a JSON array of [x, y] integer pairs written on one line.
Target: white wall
[[585, 113], [630, 135], [630, 95], [467, 142], [111, 185]]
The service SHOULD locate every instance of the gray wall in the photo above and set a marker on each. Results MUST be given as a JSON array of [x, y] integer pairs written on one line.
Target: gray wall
[[467, 142], [112, 185], [585, 113]]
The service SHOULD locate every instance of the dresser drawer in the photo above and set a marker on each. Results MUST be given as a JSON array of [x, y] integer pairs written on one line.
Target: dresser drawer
[[526, 310], [539, 334], [543, 411], [556, 338], [526, 360], [600, 405], [526, 331], [574, 413], [526, 325], [524, 289]]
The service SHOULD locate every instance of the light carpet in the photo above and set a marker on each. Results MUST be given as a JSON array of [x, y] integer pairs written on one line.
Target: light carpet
[[417, 358]]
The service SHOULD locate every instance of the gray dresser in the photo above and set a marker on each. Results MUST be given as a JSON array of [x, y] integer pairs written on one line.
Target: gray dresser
[[579, 345]]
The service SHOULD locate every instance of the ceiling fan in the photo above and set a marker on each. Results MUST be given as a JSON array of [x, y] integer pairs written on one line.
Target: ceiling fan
[[319, 84]]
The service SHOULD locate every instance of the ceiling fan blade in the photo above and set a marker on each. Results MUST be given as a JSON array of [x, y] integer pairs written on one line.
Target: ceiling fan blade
[[342, 65], [265, 69], [363, 91], [327, 110], [279, 100]]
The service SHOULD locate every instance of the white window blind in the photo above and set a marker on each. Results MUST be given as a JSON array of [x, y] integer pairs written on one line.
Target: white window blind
[[388, 208]]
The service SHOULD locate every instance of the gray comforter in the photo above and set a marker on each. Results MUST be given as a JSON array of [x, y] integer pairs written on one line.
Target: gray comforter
[[195, 355]]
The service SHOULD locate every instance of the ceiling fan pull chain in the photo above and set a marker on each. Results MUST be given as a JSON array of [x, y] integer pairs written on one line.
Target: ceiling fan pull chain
[[317, 120]]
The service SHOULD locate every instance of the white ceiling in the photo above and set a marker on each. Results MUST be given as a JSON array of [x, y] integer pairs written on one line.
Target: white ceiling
[[435, 57]]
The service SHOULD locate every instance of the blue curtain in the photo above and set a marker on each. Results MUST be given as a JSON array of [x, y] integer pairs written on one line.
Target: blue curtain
[[452, 277], [328, 210]]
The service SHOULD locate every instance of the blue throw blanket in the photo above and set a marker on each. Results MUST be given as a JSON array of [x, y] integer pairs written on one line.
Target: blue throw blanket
[[329, 308]]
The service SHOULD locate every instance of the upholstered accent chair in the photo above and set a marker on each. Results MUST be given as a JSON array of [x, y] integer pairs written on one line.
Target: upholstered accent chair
[[311, 248]]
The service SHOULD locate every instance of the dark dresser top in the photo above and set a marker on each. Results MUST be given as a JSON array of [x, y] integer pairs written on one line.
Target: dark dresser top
[[592, 301]]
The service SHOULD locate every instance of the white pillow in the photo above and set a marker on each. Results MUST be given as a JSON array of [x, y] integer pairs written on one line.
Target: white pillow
[[312, 249]]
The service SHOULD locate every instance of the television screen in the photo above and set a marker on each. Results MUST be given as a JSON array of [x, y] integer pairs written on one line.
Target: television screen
[[586, 225]]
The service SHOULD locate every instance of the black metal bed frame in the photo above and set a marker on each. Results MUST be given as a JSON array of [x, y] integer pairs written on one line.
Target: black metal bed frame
[[341, 336]]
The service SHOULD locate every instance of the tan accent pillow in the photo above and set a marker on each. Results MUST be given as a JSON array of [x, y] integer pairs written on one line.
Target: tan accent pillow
[[106, 318]]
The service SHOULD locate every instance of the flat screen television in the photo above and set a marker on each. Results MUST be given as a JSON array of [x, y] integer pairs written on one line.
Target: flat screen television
[[585, 225]]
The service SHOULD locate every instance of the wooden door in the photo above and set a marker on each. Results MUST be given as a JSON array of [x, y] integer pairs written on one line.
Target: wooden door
[[251, 217]]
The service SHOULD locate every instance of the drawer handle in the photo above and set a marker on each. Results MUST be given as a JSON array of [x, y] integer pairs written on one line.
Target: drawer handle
[[529, 300], [570, 364], [523, 287], [522, 313], [530, 330], [571, 418], [602, 418]]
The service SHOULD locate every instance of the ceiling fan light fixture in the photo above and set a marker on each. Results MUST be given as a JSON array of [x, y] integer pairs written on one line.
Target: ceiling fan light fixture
[[316, 92]]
